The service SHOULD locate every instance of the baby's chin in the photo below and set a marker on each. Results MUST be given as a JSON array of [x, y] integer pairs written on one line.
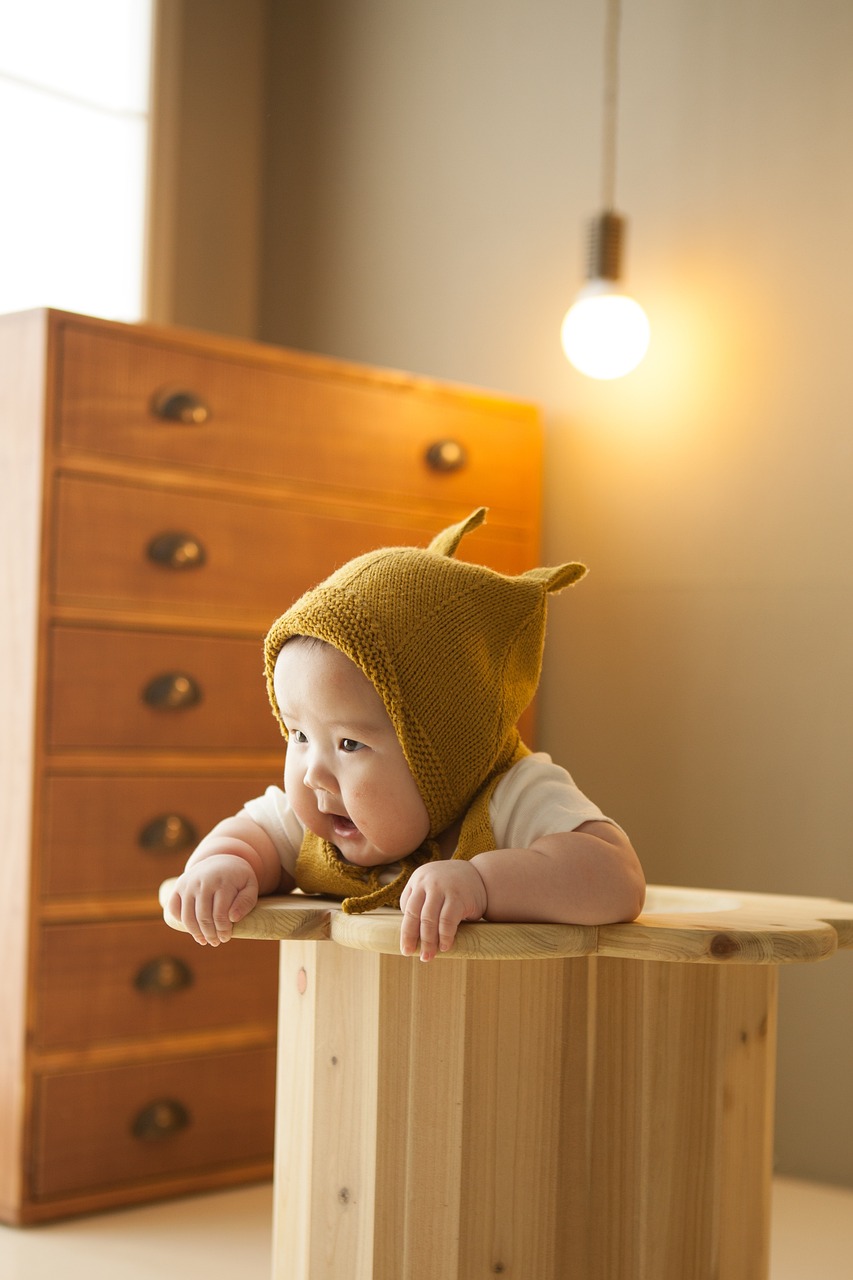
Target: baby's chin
[[366, 857], [359, 852]]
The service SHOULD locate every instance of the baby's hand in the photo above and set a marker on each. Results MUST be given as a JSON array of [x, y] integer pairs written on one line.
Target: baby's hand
[[212, 895], [437, 898]]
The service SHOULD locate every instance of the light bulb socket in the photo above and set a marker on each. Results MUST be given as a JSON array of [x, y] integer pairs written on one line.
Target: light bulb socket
[[606, 242]]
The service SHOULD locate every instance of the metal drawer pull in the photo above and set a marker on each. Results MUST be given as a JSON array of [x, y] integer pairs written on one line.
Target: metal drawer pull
[[446, 455], [180, 406], [162, 1118], [168, 833], [163, 975], [174, 550], [172, 691]]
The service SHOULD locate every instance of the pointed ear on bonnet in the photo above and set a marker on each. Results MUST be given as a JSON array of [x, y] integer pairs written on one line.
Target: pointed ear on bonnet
[[446, 542], [556, 579]]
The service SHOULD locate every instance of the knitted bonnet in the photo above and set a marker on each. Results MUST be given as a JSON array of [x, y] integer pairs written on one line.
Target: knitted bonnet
[[454, 651]]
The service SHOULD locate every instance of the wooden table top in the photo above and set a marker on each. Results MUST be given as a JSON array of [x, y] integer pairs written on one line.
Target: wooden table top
[[706, 926]]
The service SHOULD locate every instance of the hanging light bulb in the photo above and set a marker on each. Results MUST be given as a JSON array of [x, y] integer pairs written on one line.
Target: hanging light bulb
[[605, 334]]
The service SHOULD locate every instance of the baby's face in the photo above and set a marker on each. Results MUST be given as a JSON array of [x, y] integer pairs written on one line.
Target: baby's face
[[345, 773]]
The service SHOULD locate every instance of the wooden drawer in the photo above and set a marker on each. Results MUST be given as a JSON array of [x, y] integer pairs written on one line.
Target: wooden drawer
[[247, 558], [99, 679], [103, 1127], [301, 418], [124, 836], [112, 981]]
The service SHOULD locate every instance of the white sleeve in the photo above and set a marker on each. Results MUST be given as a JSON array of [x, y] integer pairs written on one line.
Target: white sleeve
[[273, 813], [536, 798]]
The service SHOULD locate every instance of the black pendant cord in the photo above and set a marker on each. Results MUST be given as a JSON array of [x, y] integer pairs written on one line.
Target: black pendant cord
[[610, 113]]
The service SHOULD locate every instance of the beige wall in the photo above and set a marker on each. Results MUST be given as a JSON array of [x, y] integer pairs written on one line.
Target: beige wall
[[205, 203], [427, 172]]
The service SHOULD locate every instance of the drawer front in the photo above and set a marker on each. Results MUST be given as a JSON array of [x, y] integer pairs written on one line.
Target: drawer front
[[123, 836], [311, 422], [101, 1128], [103, 684], [121, 546], [105, 982]]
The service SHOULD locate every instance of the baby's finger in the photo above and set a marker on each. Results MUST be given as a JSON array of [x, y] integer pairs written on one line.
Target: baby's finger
[[448, 925], [429, 925], [222, 901], [241, 906], [181, 908], [198, 918], [410, 930], [190, 922]]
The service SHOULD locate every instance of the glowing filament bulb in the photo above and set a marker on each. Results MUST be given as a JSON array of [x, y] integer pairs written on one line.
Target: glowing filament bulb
[[605, 334]]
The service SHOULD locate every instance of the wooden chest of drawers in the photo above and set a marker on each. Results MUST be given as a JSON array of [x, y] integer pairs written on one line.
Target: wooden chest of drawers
[[163, 497]]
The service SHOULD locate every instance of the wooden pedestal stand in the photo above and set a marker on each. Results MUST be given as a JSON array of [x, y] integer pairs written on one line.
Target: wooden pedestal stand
[[545, 1102]]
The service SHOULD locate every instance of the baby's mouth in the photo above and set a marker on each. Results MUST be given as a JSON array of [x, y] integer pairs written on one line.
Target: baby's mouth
[[343, 826]]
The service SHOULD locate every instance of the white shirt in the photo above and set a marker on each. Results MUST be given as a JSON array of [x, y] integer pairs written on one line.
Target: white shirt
[[534, 798]]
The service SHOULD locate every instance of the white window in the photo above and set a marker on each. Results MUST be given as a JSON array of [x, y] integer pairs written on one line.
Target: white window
[[74, 112]]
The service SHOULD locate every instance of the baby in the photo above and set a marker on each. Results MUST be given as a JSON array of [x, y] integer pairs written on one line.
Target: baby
[[398, 683]]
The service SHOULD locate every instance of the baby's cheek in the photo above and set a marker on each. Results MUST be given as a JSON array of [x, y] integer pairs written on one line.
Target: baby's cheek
[[415, 819], [300, 799], [399, 822]]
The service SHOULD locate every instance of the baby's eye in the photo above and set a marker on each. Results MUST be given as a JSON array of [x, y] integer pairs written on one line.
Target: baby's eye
[[350, 744], [296, 735]]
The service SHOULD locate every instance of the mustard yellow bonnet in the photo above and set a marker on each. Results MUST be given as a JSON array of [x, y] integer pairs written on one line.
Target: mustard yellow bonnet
[[453, 649]]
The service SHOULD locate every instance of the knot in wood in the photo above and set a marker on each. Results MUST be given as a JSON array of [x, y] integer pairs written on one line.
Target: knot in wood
[[723, 946]]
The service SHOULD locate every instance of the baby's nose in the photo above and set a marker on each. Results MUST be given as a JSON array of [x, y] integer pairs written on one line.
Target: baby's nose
[[317, 777]]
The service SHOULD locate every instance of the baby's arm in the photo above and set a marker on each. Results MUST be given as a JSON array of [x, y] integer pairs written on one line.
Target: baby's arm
[[587, 876], [225, 874]]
